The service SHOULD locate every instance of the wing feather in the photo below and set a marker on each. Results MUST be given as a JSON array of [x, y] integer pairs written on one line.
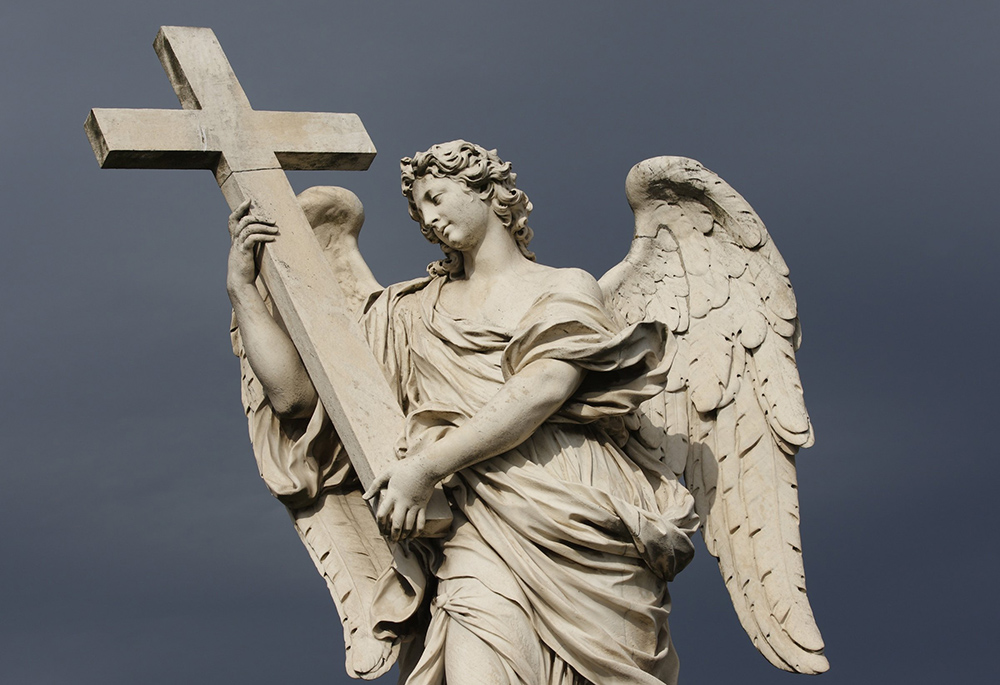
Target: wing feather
[[703, 262], [677, 440]]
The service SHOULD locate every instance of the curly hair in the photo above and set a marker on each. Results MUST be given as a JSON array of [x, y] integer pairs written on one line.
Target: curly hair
[[483, 172]]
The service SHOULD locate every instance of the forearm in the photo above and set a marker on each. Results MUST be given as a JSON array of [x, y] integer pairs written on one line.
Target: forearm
[[271, 354], [521, 405]]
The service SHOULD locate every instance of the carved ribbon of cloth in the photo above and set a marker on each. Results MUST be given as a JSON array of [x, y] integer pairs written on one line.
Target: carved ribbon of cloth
[[562, 547]]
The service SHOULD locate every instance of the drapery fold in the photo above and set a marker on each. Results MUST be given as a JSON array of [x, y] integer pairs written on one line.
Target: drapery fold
[[561, 549]]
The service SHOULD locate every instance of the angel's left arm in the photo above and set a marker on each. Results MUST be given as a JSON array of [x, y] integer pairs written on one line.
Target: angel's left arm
[[519, 407], [522, 404]]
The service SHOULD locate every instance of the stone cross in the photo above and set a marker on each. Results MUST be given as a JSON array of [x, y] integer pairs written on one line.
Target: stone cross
[[248, 152]]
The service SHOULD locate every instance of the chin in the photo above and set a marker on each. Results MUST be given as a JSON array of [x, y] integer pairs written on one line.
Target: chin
[[457, 243]]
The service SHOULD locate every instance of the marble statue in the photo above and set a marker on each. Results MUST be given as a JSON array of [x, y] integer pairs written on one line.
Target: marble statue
[[537, 447], [560, 413]]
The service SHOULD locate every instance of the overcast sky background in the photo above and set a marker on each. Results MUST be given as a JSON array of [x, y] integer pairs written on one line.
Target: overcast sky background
[[138, 544]]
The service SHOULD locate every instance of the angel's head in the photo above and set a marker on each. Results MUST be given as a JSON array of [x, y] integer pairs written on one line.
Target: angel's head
[[483, 173]]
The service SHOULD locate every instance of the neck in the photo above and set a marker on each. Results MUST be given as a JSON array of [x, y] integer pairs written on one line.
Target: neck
[[496, 254]]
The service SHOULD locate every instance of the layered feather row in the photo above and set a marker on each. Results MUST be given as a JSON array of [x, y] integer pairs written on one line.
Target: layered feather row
[[344, 543]]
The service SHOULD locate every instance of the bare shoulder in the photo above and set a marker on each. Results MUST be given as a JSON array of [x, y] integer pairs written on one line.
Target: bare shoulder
[[572, 280]]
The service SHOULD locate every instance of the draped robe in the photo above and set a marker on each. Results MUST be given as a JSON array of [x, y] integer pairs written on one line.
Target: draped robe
[[561, 548]]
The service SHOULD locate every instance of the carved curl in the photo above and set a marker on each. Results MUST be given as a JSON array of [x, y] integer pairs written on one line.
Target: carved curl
[[483, 172]]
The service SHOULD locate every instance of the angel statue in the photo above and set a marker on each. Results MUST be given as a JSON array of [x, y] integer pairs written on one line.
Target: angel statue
[[579, 428]]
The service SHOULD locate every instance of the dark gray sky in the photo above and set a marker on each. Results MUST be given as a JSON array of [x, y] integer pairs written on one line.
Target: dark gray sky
[[138, 544]]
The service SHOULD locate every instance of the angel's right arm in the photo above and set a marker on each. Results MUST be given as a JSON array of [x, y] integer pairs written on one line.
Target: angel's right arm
[[269, 350]]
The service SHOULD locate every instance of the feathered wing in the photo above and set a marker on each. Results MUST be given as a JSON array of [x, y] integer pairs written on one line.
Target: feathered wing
[[343, 540], [300, 463], [732, 416]]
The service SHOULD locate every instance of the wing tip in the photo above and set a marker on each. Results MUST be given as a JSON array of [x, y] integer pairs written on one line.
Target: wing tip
[[802, 662], [813, 664]]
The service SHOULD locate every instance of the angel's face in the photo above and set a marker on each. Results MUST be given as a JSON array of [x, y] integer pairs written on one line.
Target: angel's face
[[457, 215]]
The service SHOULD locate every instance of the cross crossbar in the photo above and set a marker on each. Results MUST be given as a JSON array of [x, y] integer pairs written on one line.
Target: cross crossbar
[[185, 139]]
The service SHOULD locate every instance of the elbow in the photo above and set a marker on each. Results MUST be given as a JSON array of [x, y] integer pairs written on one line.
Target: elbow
[[298, 406]]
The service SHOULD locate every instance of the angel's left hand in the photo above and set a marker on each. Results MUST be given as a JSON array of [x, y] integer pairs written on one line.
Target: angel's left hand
[[402, 508]]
